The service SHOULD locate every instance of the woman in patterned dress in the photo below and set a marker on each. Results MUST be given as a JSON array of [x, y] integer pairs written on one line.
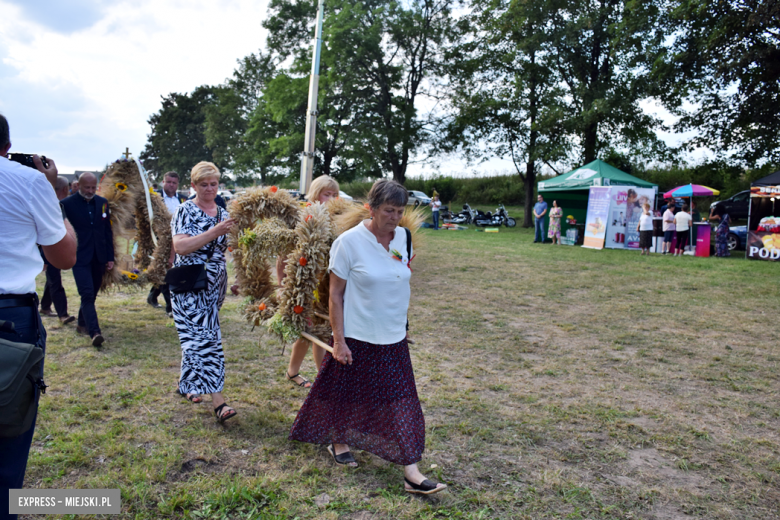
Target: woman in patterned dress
[[365, 395], [555, 223], [722, 231], [198, 225]]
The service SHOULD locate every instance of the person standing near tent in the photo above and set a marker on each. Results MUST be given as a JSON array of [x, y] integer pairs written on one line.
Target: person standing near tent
[[540, 209], [669, 228], [645, 228], [555, 223], [722, 231], [695, 215], [682, 223]]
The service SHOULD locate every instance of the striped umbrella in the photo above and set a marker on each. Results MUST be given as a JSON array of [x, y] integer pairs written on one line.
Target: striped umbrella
[[691, 190]]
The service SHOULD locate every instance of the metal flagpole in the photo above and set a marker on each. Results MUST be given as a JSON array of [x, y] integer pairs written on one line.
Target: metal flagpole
[[307, 159]]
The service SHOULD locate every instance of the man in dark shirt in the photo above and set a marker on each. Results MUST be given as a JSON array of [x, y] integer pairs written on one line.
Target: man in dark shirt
[[540, 210], [54, 291], [172, 201], [90, 217]]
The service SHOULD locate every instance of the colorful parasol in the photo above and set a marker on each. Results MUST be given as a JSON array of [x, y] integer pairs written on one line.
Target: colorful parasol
[[691, 190]]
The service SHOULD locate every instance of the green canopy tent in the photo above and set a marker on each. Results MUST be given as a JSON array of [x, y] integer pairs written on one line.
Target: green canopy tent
[[571, 189]]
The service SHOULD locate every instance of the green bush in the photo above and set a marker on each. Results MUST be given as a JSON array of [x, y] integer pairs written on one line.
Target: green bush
[[506, 189]]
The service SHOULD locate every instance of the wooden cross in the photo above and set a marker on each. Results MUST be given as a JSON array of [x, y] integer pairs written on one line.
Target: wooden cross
[[127, 153]]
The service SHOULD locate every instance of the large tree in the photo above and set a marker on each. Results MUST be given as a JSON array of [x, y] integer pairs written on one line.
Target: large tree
[[725, 60], [505, 96], [177, 141], [227, 119], [277, 126], [382, 55], [603, 52]]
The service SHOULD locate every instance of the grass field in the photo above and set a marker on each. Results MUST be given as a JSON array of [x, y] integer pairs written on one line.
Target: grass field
[[557, 382]]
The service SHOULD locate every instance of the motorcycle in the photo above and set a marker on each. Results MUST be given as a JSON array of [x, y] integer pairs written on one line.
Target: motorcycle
[[499, 218], [464, 217]]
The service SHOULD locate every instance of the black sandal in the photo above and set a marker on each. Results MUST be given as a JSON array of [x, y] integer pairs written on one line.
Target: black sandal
[[342, 459], [227, 415], [301, 384], [426, 487]]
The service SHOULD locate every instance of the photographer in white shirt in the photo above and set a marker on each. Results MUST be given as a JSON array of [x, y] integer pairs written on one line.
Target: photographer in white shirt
[[32, 216]]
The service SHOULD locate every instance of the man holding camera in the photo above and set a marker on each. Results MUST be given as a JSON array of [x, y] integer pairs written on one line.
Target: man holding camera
[[31, 216], [91, 219]]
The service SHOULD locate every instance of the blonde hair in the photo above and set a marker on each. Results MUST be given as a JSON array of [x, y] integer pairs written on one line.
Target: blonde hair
[[646, 207], [204, 170], [320, 184]]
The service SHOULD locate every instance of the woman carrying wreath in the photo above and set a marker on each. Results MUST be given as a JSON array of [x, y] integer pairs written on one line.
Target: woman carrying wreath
[[199, 230], [321, 190], [365, 396]]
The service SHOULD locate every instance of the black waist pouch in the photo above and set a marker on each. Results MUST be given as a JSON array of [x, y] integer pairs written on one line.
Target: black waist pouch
[[20, 380], [187, 278], [191, 278]]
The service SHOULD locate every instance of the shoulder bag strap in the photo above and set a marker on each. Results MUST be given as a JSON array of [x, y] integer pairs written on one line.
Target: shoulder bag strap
[[214, 242], [408, 243]]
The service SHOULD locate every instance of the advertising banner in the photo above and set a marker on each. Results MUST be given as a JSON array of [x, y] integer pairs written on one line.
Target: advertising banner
[[635, 198], [596, 220], [763, 245], [765, 191], [616, 231]]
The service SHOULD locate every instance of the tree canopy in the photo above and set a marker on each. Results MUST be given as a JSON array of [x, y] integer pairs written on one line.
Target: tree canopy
[[548, 82]]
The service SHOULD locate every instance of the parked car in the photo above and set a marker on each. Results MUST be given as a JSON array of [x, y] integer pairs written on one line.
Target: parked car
[[345, 196], [225, 194], [417, 198], [737, 206], [737, 238]]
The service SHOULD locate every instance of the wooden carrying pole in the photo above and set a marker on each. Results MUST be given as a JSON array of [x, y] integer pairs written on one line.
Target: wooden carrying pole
[[317, 341]]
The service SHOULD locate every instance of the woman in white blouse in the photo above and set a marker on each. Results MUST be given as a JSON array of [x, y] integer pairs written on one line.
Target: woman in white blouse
[[365, 395]]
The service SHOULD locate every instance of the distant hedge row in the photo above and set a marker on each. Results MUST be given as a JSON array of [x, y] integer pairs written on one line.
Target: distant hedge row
[[508, 189]]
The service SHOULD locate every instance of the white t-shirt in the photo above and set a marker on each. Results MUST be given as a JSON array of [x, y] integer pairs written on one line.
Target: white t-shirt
[[376, 298], [668, 215], [435, 205], [646, 222], [682, 221], [172, 202], [31, 215]]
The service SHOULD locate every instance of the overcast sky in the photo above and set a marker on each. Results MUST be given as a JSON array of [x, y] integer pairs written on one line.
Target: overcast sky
[[80, 78]]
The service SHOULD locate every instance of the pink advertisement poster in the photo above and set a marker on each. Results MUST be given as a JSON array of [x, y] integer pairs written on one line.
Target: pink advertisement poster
[[616, 231]]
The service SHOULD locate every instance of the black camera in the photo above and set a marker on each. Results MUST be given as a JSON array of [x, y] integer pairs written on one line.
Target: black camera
[[27, 159]]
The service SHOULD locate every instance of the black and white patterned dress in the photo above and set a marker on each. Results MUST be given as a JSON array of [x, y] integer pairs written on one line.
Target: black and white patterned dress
[[196, 314]]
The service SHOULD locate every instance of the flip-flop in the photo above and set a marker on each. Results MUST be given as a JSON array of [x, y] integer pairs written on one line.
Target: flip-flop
[[426, 487], [342, 459]]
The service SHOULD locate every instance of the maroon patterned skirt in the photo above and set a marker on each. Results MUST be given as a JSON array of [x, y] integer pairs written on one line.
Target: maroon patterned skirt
[[371, 405]]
